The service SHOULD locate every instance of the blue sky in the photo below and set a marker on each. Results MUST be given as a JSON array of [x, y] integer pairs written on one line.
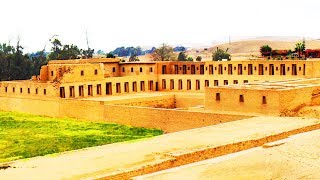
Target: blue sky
[[113, 23]]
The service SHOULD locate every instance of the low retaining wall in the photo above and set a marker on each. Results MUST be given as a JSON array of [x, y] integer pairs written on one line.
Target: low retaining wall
[[32, 106], [169, 120], [163, 101]]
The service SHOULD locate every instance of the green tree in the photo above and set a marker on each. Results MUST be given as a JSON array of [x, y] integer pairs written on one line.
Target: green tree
[[265, 50], [163, 53], [182, 56], [64, 52], [14, 64], [56, 49], [300, 48], [87, 54], [6, 56], [38, 61], [220, 54], [199, 58], [70, 52], [109, 55], [189, 59]]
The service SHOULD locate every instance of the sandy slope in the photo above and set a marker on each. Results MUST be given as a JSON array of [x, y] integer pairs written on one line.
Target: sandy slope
[[251, 47]]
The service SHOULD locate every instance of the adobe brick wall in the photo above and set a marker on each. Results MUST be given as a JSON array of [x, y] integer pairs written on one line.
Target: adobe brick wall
[[293, 100], [163, 101], [168, 120], [33, 106], [229, 101]]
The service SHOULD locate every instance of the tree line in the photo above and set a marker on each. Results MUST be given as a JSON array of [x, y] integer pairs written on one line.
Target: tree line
[[138, 51], [16, 65], [267, 51], [166, 53]]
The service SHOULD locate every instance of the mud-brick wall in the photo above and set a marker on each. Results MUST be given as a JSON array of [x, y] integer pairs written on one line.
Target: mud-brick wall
[[168, 120], [189, 100], [90, 110], [291, 101], [163, 101], [32, 106], [252, 101], [82, 109]]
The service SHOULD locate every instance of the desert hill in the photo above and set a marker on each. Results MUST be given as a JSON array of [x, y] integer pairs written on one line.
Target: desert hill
[[251, 47]]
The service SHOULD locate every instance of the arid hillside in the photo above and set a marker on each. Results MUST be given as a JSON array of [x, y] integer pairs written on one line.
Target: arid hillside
[[244, 48], [251, 47]]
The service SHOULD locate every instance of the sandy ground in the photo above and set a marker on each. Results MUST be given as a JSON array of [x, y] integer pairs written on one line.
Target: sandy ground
[[114, 158], [297, 157]]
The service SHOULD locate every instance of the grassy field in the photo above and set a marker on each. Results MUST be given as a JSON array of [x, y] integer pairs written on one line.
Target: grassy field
[[24, 136]]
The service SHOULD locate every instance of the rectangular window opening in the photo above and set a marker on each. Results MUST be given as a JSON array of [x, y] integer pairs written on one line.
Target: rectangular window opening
[[126, 87], [197, 85], [134, 86], [264, 100], [81, 94], [241, 98], [142, 86], [164, 84], [217, 96], [62, 92], [188, 84], [109, 88], [171, 84], [99, 89], [118, 88], [206, 83], [90, 90], [71, 89]]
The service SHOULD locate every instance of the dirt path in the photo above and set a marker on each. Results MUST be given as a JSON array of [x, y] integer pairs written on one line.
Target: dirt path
[[128, 159], [296, 157]]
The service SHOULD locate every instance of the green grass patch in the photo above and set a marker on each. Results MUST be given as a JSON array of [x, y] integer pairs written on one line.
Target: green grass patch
[[25, 136]]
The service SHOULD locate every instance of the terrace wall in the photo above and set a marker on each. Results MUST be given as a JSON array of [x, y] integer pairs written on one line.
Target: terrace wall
[[169, 120], [161, 101]]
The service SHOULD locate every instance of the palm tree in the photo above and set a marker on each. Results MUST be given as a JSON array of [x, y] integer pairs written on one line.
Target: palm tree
[[265, 50], [300, 47]]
